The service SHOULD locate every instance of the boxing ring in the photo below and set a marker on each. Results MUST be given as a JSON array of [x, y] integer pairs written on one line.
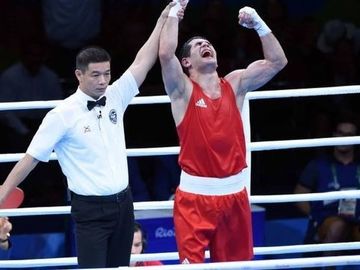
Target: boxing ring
[[291, 263]]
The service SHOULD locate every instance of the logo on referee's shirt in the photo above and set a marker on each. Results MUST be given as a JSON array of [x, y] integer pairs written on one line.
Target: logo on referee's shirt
[[87, 129], [113, 116]]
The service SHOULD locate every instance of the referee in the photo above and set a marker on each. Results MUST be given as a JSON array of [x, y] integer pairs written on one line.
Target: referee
[[87, 134]]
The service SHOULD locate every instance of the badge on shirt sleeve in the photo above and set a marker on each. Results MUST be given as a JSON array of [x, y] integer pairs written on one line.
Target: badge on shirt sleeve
[[113, 116]]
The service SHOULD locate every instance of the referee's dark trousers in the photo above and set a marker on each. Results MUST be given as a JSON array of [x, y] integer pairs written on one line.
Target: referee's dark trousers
[[104, 229]]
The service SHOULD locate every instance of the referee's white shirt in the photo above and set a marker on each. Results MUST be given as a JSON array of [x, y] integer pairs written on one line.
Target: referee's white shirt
[[91, 150]]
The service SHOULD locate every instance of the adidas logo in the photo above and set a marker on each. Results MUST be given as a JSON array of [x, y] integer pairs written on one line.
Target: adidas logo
[[201, 103], [186, 261]]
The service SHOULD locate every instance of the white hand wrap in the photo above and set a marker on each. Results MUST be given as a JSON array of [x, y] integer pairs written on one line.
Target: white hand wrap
[[259, 25], [174, 10]]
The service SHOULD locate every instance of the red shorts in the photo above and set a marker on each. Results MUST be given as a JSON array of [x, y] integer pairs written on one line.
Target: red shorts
[[220, 223]]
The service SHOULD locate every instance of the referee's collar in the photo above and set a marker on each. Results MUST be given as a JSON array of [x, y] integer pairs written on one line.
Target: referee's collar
[[83, 98]]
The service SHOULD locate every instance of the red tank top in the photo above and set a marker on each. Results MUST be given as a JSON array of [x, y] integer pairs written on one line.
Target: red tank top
[[211, 135]]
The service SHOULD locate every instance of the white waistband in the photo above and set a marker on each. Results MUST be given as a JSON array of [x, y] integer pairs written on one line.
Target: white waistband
[[211, 185]]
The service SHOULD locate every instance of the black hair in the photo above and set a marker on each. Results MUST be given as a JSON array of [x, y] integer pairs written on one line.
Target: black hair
[[89, 55], [185, 50], [138, 228]]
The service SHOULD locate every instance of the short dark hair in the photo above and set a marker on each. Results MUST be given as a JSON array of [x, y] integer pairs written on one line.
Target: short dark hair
[[185, 50], [138, 228], [89, 55]]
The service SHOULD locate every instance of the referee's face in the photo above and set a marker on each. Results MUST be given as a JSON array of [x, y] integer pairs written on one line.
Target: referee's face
[[95, 79]]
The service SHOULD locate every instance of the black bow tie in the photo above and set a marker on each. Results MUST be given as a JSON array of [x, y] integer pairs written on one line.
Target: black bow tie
[[100, 102]]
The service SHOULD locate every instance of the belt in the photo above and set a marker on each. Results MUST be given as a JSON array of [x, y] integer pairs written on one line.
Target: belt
[[212, 186], [117, 197]]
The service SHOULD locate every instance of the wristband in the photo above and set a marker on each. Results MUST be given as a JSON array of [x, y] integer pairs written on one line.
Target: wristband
[[174, 10], [259, 25], [262, 29]]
